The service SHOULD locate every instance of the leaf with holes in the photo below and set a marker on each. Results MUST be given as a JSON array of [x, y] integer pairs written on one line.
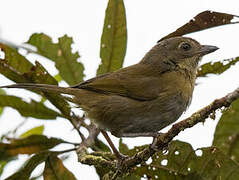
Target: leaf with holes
[[204, 20], [114, 38], [166, 166], [32, 109], [216, 67], [214, 164], [34, 131], [55, 170], [38, 74], [181, 162], [61, 53], [29, 145], [226, 136]]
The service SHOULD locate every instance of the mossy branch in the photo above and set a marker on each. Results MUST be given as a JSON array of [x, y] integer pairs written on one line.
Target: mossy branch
[[161, 142]]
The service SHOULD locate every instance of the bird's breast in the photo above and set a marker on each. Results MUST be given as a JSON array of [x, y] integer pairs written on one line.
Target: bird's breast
[[177, 86]]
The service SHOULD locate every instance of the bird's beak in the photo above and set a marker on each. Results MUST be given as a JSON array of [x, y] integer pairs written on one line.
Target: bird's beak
[[206, 49]]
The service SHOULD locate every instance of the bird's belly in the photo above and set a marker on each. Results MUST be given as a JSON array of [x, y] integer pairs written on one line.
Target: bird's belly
[[122, 115], [155, 118]]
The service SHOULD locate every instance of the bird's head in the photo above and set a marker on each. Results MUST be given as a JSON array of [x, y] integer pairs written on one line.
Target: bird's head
[[181, 51]]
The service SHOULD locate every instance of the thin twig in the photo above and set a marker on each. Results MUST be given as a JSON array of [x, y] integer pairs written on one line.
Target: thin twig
[[93, 133], [74, 121], [62, 152]]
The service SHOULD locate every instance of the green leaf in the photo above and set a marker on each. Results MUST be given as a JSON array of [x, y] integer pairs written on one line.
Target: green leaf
[[58, 78], [216, 67], [61, 53], [114, 38], [34, 131], [16, 60], [2, 166], [1, 110], [123, 148], [29, 145], [226, 136], [213, 164], [14, 65], [100, 146], [32, 109], [36, 177], [131, 177], [181, 162], [55, 170], [10, 73], [1, 93], [36, 74], [25, 172], [171, 170]]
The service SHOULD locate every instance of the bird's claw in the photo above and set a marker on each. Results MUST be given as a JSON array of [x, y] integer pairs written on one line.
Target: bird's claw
[[154, 143], [120, 160]]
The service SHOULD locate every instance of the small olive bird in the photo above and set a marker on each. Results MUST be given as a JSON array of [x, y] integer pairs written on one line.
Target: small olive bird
[[141, 99]]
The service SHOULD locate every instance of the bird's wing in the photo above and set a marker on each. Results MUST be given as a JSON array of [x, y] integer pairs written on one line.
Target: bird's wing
[[137, 82]]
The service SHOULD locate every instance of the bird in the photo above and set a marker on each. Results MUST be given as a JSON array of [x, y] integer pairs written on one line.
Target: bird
[[141, 99]]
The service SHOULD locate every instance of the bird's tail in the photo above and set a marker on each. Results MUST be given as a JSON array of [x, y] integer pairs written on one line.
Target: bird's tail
[[44, 88]]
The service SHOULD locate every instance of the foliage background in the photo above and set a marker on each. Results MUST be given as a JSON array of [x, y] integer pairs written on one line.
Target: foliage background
[[147, 22]]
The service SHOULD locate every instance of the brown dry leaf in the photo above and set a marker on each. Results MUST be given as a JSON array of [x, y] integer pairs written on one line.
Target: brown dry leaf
[[55, 170], [204, 20], [29, 145]]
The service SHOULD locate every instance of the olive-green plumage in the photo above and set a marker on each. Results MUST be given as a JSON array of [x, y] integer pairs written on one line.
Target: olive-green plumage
[[141, 99]]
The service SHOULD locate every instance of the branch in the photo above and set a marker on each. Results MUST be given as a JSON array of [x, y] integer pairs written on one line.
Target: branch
[[75, 120], [93, 133], [98, 160], [161, 142]]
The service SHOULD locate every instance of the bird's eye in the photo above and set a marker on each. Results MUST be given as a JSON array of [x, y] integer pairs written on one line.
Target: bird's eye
[[185, 46]]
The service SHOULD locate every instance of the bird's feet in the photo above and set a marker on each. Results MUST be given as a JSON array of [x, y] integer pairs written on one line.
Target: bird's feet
[[120, 160], [154, 144]]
